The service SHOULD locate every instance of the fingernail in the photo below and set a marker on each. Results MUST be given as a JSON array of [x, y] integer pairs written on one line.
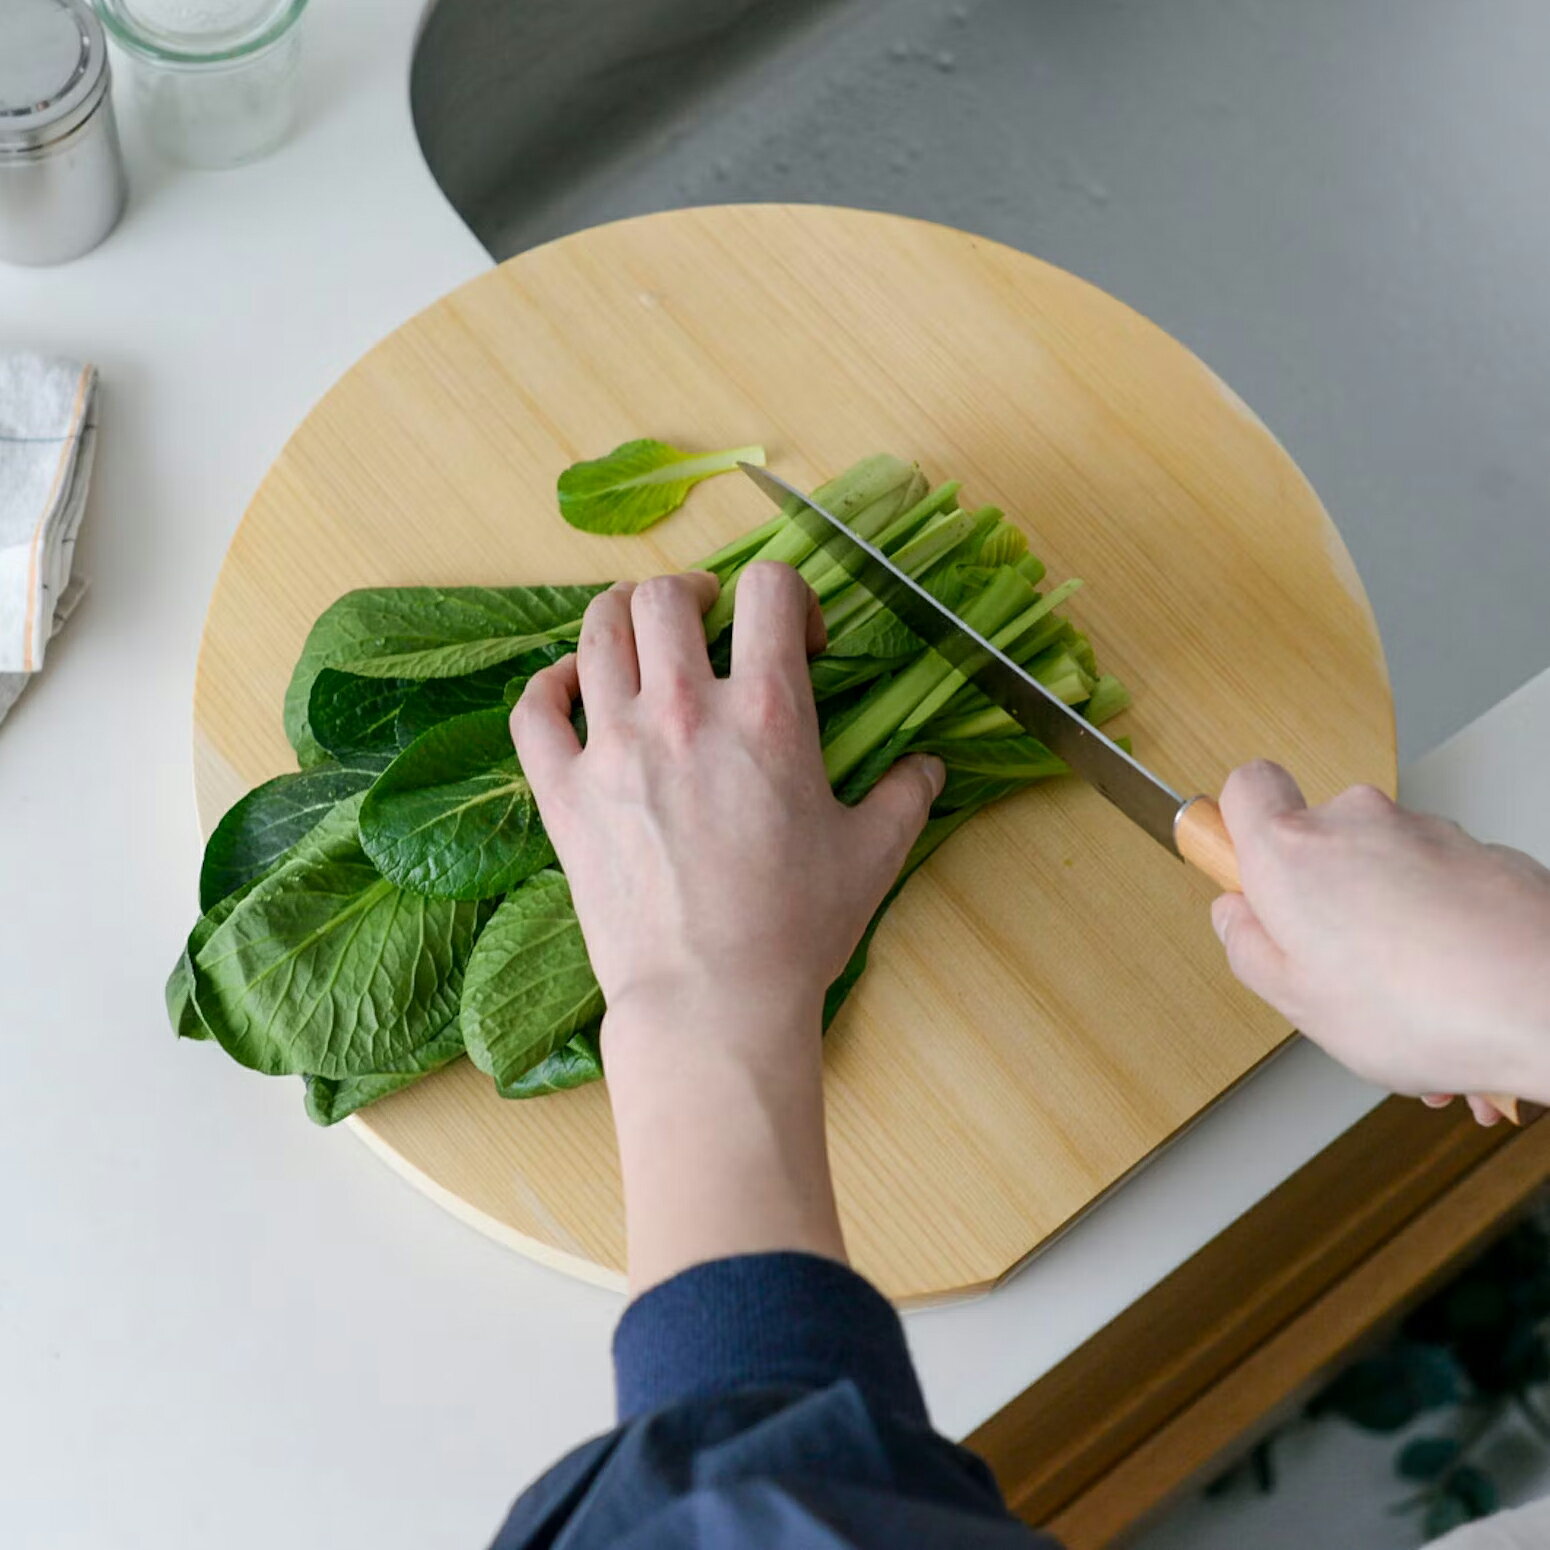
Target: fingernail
[[935, 771], [1220, 911]]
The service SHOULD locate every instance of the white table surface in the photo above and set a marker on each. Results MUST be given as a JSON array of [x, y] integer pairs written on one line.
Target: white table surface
[[218, 1323]]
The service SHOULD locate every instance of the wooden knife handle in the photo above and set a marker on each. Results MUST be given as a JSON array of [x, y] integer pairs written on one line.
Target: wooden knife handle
[[1204, 842]]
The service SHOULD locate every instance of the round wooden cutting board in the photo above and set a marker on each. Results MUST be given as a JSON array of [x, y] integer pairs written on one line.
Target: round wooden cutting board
[[1047, 1004]]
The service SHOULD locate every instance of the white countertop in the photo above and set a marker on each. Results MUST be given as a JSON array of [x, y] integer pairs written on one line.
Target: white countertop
[[219, 1324]]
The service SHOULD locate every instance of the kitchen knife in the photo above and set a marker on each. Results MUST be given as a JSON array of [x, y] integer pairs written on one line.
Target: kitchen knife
[[1191, 827]]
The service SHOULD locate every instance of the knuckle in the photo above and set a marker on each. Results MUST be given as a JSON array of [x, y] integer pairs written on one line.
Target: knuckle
[[774, 579], [1362, 801], [678, 708], [656, 593], [769, 705], [1290, 833], [602, 632]]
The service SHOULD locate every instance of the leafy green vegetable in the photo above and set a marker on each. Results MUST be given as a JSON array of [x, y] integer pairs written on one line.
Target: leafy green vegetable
[[639, 483], [325, 968], [453, 816], [440, 699], [331, 1099], [260, 828], [351, 715], [382, 911], [426, 632], [529, 988], [577, 1063]]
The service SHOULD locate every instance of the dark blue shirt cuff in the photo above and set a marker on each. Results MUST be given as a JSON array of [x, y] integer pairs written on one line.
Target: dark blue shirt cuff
[[762, 1320]]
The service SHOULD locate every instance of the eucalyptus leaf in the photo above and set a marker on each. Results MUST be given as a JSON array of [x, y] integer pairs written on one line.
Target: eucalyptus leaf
[[326, 968], [425, 632], [573, 1065], [639, 483], [331, 1099], [260, 828], [529, 987], [453, 817]]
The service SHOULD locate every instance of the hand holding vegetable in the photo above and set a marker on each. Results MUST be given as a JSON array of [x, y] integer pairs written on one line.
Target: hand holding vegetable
[[1413, 954], [721, 888]]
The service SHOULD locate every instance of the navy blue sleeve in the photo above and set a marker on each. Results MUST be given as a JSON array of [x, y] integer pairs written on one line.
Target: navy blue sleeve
[[765, 1401], [762, 1319]]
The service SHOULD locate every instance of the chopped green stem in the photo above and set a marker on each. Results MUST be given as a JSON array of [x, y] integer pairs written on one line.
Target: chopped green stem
[[732, 556], [1005, 638], [854, 605], [887, 709], [861, 493]]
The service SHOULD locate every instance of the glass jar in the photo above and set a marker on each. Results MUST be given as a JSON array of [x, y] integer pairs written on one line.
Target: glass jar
[[216, 81]]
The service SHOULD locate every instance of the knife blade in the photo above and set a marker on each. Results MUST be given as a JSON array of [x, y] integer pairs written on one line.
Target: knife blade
[[1190, 827]]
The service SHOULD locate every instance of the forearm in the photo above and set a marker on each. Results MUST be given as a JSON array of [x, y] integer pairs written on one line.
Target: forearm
[[721, 1134]]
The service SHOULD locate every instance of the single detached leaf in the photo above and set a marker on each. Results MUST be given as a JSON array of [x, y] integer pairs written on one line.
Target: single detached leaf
[[352, 715], [574, 1065], [639, 483], [272, 817], [331, 1099], [452, 816], [529, 987], [326, 968], [425, 632]]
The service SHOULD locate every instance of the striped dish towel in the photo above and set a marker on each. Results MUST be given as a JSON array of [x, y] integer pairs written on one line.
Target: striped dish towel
[[48, 433]]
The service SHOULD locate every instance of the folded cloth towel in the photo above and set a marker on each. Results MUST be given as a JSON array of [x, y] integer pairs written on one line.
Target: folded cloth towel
[[48, 434], [12, 684]]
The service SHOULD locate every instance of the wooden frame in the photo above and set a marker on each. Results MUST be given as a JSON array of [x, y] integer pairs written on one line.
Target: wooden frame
[[1217, 1351]]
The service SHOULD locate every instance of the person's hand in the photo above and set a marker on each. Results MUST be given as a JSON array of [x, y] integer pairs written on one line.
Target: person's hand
[[712, 868], [1415, 955], [721, 887]]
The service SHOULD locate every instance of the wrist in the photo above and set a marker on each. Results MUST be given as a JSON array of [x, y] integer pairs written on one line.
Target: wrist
[[738, 1018]]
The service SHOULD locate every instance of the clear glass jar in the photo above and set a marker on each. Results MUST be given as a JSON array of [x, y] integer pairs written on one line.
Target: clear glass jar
[[216, 81]]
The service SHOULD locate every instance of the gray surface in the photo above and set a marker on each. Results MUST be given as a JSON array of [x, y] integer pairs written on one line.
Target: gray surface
[[1339, 204]]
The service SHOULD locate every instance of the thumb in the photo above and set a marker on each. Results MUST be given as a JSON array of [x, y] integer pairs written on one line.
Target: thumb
[[1253, 957], [895, 810]]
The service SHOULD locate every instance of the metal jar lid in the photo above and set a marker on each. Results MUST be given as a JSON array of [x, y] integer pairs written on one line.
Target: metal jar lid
[[53, 70]]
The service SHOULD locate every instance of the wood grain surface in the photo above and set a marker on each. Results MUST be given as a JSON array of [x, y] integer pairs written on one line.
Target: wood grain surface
[[1046, 1004]]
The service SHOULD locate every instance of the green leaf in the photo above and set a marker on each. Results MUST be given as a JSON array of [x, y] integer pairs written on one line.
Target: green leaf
[[182, 1008], [1445, 1514], [1424, 1458], [326, 968], [453, 817], [331, 1099], [577, 1063], [529, 987], [639, 483], [440, 699], [271, 818], [425, 632], [1007, 758], [1385, 1392], [351, 715], [1475, 1489]]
